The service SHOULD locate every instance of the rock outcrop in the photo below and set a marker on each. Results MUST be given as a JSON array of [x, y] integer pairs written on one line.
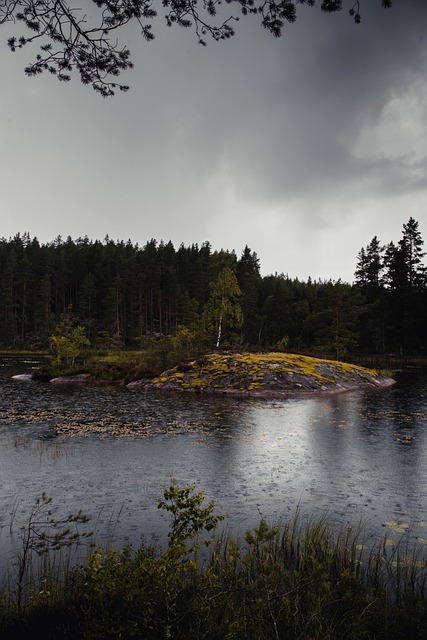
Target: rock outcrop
[[264, 374]]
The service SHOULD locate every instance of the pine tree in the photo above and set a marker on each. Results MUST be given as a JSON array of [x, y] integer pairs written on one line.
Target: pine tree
[[370, 265], [335, 323], [405, 278], [93, 48], [249, 279], [411, 246]]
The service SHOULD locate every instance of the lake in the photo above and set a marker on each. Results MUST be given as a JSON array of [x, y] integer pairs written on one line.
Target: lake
[[356, 458]]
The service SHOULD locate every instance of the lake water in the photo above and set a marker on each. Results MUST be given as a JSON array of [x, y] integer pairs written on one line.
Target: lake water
[[358, 457]]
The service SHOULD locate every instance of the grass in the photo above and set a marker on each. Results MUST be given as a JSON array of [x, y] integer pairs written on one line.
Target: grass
[[117, 366], [299, 581], [24, 352]]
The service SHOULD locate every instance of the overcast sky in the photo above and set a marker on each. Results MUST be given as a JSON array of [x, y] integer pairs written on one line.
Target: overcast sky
[[302, 148]]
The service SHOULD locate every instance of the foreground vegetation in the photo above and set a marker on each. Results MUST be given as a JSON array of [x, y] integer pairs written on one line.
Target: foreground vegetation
[[296, 581]]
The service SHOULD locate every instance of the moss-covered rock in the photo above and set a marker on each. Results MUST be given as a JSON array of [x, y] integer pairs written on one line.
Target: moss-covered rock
[[265, 374]]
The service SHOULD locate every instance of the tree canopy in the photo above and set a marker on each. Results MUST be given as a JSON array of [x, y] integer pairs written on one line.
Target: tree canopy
[[186, 300], [85, 38]]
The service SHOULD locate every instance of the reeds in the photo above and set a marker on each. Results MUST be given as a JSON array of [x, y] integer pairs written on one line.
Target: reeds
[[301, 580]]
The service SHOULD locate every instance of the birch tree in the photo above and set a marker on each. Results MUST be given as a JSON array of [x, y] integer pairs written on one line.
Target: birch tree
[[223, 308]]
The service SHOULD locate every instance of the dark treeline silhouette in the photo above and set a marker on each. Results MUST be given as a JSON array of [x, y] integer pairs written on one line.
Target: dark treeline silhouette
[[393, 281], [123, 294]]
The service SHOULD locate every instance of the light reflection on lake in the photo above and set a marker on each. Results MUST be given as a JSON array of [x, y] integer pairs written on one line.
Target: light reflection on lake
[[355, 457]]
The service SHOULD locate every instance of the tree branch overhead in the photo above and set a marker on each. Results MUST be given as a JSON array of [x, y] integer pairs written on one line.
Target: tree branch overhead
[[71, 38]]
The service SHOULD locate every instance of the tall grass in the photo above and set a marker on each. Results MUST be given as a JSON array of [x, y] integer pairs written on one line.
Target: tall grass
[[298, 581]]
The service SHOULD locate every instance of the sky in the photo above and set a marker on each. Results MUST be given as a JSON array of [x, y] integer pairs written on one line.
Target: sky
[[302, 147]]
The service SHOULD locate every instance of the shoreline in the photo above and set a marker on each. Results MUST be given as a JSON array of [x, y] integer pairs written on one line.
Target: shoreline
[[270, 394], [269, 375]]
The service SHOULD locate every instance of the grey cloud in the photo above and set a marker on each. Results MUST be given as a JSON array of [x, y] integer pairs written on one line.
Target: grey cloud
[[248, 141]]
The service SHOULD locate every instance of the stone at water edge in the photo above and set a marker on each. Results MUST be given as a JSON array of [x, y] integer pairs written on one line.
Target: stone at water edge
[[77, 379]]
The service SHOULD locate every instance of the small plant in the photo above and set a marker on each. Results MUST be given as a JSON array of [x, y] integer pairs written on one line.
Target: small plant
[[42, 534], [68, 340], [189, 517], [282, 344], [299, 580]]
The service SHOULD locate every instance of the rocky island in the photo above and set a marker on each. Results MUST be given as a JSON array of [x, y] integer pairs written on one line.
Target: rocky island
[[265, 375]]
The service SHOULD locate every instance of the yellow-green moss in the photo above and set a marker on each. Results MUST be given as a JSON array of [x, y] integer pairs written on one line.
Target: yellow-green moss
[[256, 385], [248, 371], [198, 382]]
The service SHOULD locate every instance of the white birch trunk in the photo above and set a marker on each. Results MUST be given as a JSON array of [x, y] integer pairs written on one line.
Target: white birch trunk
[[219, 332]]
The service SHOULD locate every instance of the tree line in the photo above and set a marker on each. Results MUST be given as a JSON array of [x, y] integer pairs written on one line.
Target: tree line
[[124, 295]]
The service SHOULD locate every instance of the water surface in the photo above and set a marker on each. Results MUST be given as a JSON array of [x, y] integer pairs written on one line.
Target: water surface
[[357, 457]]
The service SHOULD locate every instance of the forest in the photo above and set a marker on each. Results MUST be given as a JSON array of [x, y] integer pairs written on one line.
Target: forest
[[125, 296]]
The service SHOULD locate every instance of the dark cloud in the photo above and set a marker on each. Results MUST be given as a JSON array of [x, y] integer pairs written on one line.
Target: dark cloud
[[303, 147]]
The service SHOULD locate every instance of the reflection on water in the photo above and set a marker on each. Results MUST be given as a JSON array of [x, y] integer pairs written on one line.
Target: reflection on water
[[356, 457]]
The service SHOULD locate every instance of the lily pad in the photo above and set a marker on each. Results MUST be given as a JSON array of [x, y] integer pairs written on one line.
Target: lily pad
[[389, 543], [408, 562], [398, 527]]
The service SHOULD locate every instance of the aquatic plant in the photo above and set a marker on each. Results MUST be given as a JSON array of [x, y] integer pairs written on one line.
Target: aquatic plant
[[296, 580], [42, 535]]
